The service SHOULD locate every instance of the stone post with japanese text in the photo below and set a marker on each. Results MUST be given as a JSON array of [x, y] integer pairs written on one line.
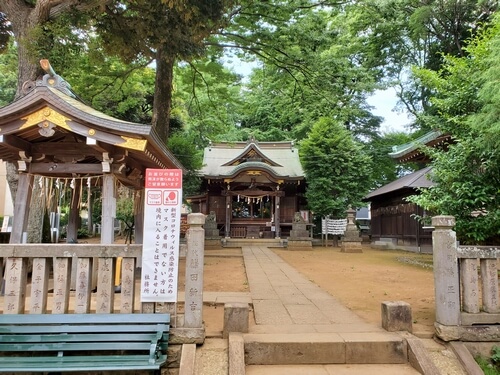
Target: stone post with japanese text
[[195, 236], [446, 279]]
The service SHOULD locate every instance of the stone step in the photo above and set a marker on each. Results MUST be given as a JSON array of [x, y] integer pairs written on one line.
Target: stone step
[[385, 369], [265, 242], [324, 348]]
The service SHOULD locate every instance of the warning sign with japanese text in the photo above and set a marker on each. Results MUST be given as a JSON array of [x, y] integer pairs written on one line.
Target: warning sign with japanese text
[[162, 223]]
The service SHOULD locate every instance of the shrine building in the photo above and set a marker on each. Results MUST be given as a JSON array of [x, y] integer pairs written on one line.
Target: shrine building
[[252, 188]]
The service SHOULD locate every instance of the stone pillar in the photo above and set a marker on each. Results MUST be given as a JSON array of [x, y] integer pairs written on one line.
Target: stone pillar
[[489, 277], [195, 236], [446, 279], [470, 285], [351, 241]]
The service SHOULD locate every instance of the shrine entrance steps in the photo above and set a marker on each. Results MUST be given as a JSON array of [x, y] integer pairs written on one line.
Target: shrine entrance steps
[[298, 328], [260, 242]]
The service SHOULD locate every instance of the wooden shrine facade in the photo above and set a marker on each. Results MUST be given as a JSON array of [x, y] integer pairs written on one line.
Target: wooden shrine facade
[[393, 218], [49, 132], [252, 188]]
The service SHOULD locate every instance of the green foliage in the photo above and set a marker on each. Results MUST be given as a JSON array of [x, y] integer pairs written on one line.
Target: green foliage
[[336, 167], [8, 75], [490, 366], [467, 173], [125, 211], [182, 146], [5, 32]]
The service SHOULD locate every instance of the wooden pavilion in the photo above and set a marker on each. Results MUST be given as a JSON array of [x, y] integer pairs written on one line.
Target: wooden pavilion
[[252, 188], [50, 132]]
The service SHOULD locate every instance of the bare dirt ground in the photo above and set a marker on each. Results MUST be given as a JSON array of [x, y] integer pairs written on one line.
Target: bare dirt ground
[[361, 281]]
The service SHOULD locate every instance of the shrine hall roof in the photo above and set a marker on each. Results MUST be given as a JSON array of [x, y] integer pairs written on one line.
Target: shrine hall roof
[[226, 159], [415, 180]]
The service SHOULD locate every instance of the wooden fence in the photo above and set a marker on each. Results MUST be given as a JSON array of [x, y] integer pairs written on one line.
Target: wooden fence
[[70, 278]]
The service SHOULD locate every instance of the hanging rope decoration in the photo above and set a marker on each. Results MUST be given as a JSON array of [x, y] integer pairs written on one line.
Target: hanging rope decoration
[[252, 199], [53, 189]]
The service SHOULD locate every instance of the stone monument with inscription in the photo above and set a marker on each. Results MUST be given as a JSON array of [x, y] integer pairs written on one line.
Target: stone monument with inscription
[[351, 241]]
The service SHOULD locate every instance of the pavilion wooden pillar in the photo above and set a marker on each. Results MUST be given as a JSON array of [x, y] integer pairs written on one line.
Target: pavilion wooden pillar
[[21, 207], [108, 209], [74, 213]]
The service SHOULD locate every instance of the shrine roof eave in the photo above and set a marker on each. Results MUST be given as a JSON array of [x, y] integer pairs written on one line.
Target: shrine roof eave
[[416, 180], [234, 176], [412, 151], [77, 112]]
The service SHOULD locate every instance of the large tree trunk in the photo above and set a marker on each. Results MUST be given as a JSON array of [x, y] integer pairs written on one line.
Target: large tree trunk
[[163, 93]]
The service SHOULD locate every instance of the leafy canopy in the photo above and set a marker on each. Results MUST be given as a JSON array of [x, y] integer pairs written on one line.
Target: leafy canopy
[[336, 167], [467, 175]]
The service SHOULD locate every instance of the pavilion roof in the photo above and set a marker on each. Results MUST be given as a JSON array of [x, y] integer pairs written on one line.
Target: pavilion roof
[[50, 132]]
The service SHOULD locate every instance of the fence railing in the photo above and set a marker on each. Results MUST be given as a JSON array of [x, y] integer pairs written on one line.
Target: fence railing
[[70, 278], [466, 286]]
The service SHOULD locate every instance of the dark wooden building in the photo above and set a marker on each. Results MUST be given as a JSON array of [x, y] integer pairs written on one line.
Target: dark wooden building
[[253, 188], [393, 221], [392, 218]]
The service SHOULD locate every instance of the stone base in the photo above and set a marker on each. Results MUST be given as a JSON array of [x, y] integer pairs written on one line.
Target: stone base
[[212, 233], [396, 316], [235, 318], [467, 333], [212, 242], [187, 335], [299, 243], [351, 247], [299, 233]]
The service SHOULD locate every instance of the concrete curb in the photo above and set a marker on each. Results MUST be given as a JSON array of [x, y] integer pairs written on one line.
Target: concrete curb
[[465, 358], [236, 354], [418, 356], [188, 360]]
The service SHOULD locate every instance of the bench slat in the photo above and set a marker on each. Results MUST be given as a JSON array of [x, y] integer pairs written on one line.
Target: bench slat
[[83, 318], [46, 342], [74, 346], [80, 363], [92, 337], [19, 329]]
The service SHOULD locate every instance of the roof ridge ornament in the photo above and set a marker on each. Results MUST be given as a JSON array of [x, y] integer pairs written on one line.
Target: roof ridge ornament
[[51, 79]]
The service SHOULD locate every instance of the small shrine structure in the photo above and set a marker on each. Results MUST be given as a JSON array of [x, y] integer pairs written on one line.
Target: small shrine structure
[[49, 132], [252, 189]]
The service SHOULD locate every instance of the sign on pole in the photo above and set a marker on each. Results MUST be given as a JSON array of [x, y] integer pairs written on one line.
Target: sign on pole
[[162, 223]]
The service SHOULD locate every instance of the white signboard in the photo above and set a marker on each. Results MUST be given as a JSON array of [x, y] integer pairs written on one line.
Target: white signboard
[[335, 227], [162, 223]]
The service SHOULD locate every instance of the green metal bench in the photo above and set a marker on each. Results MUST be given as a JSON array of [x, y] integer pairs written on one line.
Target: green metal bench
[[83, 342]]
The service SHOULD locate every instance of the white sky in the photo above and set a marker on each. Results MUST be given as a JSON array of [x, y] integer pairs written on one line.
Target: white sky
[[383, 103]]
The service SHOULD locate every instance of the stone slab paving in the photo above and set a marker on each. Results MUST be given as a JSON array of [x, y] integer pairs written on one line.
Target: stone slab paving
[[282, 296], [331, 370]]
